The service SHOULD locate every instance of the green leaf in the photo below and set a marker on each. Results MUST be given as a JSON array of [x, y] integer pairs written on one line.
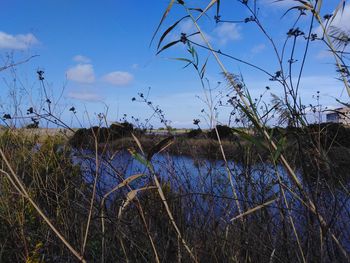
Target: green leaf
[[139, 157], [280, 145], [189, 62], [202, 72], [183, 59], [250, 116]]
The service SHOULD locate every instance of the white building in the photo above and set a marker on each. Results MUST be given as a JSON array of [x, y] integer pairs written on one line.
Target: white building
[[339, 115]]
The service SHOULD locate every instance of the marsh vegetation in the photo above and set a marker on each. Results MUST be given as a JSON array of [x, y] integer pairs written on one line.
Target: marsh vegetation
[[267, 186]]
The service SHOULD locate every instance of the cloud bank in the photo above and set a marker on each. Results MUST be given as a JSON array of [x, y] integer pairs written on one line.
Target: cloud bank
[[118, 78], [81, 73], [17, 42]]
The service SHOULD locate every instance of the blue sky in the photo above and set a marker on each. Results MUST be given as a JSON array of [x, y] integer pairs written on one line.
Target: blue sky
[[96, 54]]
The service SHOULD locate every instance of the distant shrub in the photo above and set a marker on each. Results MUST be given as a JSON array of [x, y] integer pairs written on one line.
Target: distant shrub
[[194, 133], [32, 126], [331, 133], [224, 131], [119, 130], [81, 138], [85, 137]]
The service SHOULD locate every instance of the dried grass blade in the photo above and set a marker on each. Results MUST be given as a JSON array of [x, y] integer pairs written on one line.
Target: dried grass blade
[[122, 184], [130, 196], [212, 2], [170, 5], [138, 143], [253, 209]]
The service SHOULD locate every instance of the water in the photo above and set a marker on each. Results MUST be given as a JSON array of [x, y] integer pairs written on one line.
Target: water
[[200, 179], [204, 187]]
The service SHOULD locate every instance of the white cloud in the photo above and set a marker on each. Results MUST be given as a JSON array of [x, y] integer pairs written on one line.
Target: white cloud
[[81, 59], [85, 96], [258, 48], [187, 27], [21, 42], [82, 73], [226, 32], [118, 78]]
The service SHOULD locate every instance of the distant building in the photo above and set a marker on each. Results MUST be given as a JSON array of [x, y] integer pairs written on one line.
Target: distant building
[[339, 115]]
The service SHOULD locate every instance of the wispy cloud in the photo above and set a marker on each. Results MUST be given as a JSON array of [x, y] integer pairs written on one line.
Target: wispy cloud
[[227, 32], [118, 78], [19, 42], [323, 54], [258, 48], [81, 59], [81, 73], [85, 96]]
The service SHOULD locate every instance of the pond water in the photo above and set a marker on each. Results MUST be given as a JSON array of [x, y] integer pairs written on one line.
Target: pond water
[[204, 186], [182, 172]]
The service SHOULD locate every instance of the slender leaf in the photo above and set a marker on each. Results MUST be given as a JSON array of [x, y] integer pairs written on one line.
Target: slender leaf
[[202, 72], [138, 157], [138, 143], [280, 145], [170, 5], [161, 146], [294, 7], [168, 45], [166, 32]]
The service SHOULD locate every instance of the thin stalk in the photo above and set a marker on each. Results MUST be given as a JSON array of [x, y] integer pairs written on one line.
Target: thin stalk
[[93, 195], [170, 215]]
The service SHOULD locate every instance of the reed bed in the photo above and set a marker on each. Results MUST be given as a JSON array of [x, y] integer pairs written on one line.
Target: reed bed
[[260, 194]]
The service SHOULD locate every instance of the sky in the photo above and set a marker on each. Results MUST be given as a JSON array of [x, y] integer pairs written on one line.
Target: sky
[[98, 55]]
